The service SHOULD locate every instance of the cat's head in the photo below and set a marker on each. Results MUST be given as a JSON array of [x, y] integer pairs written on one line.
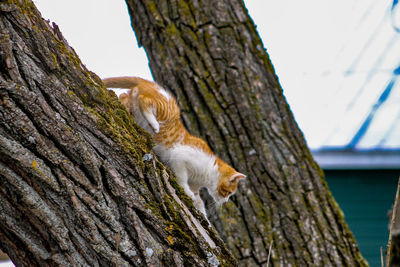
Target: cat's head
[[228, 182]]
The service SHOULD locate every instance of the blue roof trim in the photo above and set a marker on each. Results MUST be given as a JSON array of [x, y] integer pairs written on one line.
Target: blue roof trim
[[337, 159], [396, 71], [358, 150], [395, 2], [395, 27], [364, 127]]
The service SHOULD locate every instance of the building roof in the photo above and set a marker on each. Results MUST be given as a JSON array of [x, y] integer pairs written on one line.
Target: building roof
[[359, 118]]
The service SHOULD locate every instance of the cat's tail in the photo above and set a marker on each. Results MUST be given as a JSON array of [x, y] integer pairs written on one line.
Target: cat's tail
[[123, 82]]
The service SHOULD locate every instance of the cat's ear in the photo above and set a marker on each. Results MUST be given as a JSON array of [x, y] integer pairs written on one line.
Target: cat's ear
[[236, 177], [123, 97]]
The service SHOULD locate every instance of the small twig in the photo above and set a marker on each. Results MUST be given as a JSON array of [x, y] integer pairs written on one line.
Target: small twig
[[269, 252], [382, 264], [117, 241], [392, 222]]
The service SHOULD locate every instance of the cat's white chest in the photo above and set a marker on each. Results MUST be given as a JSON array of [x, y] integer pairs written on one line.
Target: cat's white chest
[[190, 165]]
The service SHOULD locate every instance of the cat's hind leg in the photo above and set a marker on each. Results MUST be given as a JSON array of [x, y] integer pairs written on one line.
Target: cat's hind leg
[[148, 111], [151, 119]]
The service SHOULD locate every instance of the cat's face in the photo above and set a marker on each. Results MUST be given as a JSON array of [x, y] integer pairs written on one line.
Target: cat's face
[[228, 184]]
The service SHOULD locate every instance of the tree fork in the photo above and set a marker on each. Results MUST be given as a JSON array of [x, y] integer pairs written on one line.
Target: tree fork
[[210, 56], [78, 183]]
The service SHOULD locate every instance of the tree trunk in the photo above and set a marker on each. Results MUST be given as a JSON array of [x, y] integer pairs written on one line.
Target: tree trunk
[[78, 183], [210, 56]]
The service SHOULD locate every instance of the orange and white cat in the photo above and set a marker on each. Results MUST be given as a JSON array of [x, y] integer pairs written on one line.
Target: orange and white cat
[[190, 158]]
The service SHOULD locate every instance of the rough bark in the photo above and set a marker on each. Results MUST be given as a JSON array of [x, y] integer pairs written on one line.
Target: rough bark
[[210, 56], [79, 185]]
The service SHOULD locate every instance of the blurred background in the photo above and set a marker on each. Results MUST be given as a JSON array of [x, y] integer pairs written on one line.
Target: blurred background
[[339, 65]]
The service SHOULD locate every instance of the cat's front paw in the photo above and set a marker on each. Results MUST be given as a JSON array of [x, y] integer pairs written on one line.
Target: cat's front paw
[[199, 205]]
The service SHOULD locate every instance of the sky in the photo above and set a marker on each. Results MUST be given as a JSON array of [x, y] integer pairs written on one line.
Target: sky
[[100, 32]]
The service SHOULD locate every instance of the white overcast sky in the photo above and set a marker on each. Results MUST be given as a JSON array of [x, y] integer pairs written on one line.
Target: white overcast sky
[[299, 35]]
